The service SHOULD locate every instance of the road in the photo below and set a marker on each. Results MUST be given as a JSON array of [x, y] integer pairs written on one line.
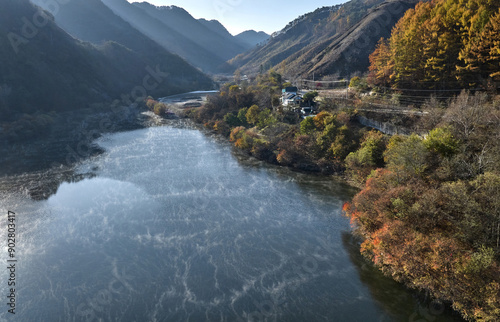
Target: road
[[180, 102]]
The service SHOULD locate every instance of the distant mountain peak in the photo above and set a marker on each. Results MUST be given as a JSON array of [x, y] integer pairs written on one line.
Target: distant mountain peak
[[212, 21], [252, 37], [172, 9], [205, 46]]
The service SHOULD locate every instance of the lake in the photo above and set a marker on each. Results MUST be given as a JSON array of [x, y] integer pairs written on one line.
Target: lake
[[171, 224]]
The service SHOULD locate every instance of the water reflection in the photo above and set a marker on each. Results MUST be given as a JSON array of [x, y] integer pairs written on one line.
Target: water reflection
[[396, 300], [40, 185]]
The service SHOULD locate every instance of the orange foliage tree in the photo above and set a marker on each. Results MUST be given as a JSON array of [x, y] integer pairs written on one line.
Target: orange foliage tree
[[422, 236]]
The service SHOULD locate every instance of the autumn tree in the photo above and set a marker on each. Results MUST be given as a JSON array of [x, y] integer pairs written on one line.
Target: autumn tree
[[406, 157], [482, 57], [307, 126], [381, 67], [252, 115], [160, 109], [439, 42], [360, 163]]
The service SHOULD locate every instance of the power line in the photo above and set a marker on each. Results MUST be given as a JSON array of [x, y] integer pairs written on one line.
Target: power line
[[431, 90]]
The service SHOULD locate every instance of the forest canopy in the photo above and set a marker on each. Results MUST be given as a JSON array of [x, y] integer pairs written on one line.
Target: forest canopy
[[441, 44]]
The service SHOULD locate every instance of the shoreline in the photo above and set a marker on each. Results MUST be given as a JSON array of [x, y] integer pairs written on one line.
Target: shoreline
[[72, 140]]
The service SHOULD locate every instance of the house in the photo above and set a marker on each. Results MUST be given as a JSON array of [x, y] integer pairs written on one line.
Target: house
[[288, 99], [290, 96]]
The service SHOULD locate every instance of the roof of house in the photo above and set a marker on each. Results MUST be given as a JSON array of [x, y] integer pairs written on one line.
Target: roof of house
[[290, 90]]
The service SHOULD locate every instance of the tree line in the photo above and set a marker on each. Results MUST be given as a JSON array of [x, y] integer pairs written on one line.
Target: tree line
[[441, 44]]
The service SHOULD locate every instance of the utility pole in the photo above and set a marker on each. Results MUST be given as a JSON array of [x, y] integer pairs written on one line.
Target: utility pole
[[347, 91]]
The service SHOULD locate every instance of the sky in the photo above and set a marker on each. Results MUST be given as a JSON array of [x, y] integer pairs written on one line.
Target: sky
[[241, 15]]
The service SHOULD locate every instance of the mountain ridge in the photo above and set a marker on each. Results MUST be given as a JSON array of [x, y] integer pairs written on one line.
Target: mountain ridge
[[53, 70], [347, 53], [181, 21], [167, 37], [324, 42]]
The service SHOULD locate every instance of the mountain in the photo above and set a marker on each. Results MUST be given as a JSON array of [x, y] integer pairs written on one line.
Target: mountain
[[348, 52], [247, 39], [93, 21], [252, 38], [217, 27], [181, 21], [330, 40], [168, 38], [177, 31], [45, 69]]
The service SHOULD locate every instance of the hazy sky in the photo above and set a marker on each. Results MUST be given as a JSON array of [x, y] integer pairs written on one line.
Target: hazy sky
[[241, 15]]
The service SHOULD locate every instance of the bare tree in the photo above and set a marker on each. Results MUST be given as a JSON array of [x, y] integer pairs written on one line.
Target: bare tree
[[467, 112]]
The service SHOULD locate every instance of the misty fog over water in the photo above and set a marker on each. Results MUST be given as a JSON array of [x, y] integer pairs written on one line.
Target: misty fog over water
[[172, 225]]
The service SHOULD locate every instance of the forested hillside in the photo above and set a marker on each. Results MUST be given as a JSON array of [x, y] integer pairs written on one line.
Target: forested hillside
[[44, 69], [346, 53], [431, 217], [442, 44], [330, 40]]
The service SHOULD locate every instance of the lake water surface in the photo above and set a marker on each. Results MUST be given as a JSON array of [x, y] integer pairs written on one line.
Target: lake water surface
[[172, 225]]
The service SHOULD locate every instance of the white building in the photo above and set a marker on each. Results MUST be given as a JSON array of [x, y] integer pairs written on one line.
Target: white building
[[290, 96], [291, 99]]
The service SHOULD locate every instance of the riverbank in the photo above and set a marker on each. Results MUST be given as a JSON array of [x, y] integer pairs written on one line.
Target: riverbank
[[406, 213]]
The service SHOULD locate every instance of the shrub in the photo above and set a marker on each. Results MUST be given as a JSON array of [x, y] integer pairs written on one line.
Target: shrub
[[232, 119], [266, 119], [441, 141], [236, 133], [322, 119], [252, 115], [242, 116], [222, 128], [307, 126], [406, 156], [160, 109], [361, 163]]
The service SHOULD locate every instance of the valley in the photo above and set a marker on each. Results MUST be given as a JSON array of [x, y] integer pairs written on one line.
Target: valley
[[163, 166]]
